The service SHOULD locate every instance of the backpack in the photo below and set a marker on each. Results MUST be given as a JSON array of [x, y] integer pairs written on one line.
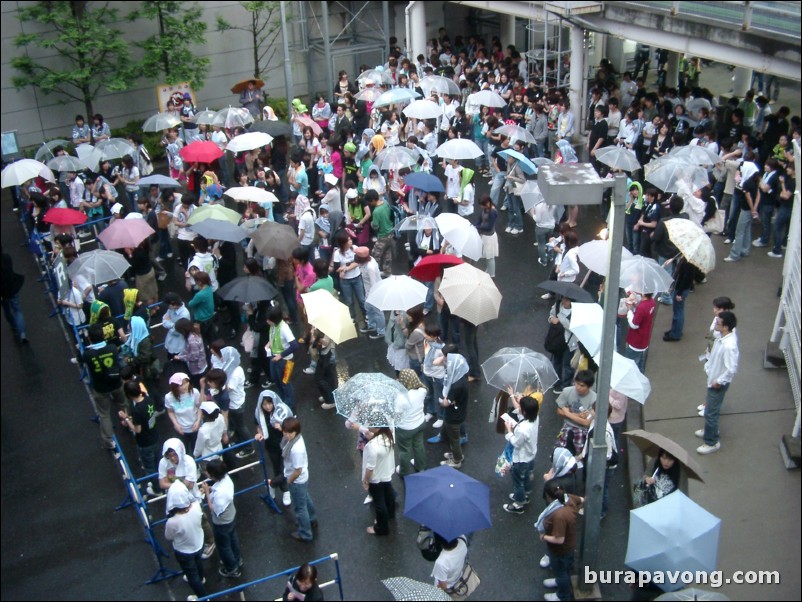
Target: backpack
[[429, 545], [555, 339]]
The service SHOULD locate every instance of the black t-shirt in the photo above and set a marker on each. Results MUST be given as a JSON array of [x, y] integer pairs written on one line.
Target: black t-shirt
[[144, 414], [599, 131], [458, 395], [500, 161], [103, 366], [740, 193]]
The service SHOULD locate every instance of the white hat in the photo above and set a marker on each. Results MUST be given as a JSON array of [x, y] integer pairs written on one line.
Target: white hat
[[209, 407], [134, 215], [351, 193], [331, 179], [116, 208]]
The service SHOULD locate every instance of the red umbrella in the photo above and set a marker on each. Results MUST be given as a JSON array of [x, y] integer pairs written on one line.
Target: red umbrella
[[304, 121], [125, 233], [202, 151], [431, 267], [64, 217]]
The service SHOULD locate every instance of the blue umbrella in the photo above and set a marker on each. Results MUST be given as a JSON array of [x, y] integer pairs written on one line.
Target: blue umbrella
[[424, 181], [159, 180], [448, 502], [672, 534], [219, 229], [525, 163]]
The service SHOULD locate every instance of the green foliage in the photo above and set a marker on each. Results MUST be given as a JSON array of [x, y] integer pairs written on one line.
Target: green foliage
[[168, 55], [91, 53], [152, 140], [279, 105], [264, 31]]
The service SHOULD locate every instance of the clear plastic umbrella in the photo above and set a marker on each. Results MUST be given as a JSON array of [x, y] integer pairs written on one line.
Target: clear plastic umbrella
[[644, 275], [488, 98], [45, 152], [397, 293], [439, 84], [460, 149], [99, 266], [377, 77], [594, 255], [89, 156], [251, 194], [693, 153], [395, 158], [232, 117], [369, 94], [66, 163], [205, 117], [515, 132], [115, 148], [531, 195], [626, 378], [667, 174], [161, 121], [396, 96], [368, 399], [423, 109], [617, 157], [519, 368], [249, 141], [416, 223]]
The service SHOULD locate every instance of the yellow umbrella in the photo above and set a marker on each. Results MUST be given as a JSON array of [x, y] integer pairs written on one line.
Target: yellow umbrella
[[329, 316], [214, 212]]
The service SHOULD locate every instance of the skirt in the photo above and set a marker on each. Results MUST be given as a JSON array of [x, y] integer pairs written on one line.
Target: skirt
[[398, 358], [147, 286], [490, 246]]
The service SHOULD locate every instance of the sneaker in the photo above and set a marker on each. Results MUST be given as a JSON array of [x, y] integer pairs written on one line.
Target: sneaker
[[705, 449], [551, 597], [701, 406], [149, 490], [309, 370], [526, 500], [427, 417], [700, 433], [245, 453], [376, 335], [727, 241], [463, 440], [169, 255], [508, 230], [543, 263], [184, 577], [503, 207], [545, 562], [730, 258], [513, 508], [286, 498], [267, 384], [759, 243], [328, 406], [368, 500], [162, 277], [701, 413], [535, 244], [451, 463], [546, 296], [435, 439], [557, 390], [775, 255], [297, 536], [438, 423], [229, 574], [517, 231], [550, 583], [364, 328], [208, 551]]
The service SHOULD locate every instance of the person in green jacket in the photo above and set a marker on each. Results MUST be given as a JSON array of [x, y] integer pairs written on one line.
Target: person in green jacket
[[634, 209], [382, 224]]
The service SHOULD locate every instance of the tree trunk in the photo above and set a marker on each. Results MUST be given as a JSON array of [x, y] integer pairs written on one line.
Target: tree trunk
[[254, 24], [90, 110], [165, 57]]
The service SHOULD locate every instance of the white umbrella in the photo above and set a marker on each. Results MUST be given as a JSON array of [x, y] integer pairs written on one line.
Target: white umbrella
[[19, 172], [470, 293], [397, 293], [423, 109], [396, 96], [531, 195], [515, 132], [45, 151], [488, 98], [439, 84], [459, 149], [395, 158], [249, 141], [617, 157], [644, 275], [378, 77], [99, 266], [594, 255], [161, 121], [66, 163], [232, 117], [586, 324], [693, 153], [460, 234], [369, 94], [115, 148], [159, 180], [251, 194], [626, 378], [89, 156], [667, 173]]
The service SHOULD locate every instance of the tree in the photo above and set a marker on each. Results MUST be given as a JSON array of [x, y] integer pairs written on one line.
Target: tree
[[167, 53], [264, 30], [90, 54]]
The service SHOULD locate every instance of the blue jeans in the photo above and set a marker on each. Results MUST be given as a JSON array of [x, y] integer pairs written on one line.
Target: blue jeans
[[678, 319], [516, 211], [639, 357], [713, 401], [164, 243], [433, 395], [305, 513], [449, 324], [666, 298], [375, 318], [288, 292], [732, 220], [149, 458], [562, 366], [633, 236], [781, 222], [539, 149], [497, 184], [766, 213], [192, 565], [521, 483], [225, 536], [542, 237], [428, 304], [285, 391], [742, 243], [350, 288], [14, 315], [562, 565]]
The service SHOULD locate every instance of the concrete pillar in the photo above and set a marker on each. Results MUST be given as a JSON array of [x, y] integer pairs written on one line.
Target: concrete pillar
[[417, 29], [672, 70], [741, 81], [577, 76], [507, 30]]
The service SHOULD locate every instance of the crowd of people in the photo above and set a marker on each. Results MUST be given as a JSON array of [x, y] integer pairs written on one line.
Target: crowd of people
[[345, 206]]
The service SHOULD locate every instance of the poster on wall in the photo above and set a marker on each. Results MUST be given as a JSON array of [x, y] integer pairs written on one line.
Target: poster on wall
[[172, 97]]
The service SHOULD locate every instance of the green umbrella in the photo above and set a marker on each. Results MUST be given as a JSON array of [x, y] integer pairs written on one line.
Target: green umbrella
[[214, 212]]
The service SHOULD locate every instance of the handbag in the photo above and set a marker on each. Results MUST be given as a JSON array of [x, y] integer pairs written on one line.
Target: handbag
[[247, 340], [466, 584], [555, 339], [576, 358], [643, 494], [715, 224]]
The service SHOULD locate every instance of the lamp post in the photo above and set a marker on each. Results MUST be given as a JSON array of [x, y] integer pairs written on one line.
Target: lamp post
[[563, 185], [287, 64]]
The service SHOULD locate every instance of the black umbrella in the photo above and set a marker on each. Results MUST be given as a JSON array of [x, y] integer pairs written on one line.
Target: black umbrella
[[274, 128], [567, 289], [248, 289]]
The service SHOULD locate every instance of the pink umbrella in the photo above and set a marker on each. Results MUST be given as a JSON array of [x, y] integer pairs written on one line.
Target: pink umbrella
[[201, 151], [125, 233], [304, 121]]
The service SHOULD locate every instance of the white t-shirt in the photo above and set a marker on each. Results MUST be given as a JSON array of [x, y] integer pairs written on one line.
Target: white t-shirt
[[186, 470], [465, 208], [307, 225], [210, 435], [185, 531], [409, 409], [379, 457], [236, 388], [186, 408], [453, 181], [346, 259], [298, 459], [449, 564], [206, 262]]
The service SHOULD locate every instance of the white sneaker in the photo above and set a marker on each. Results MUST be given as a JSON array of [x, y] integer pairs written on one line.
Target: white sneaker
[[508, 230], [701, 412], [701, 406], [286, 498], [545, 562], [727, 241], [309, 370], [550, 583], [551, 598], [700, 433], [774, 255], [427, 417], [705, 449], [546, 296], [368, 500], [438, 423], [758, 243], [730, 258]]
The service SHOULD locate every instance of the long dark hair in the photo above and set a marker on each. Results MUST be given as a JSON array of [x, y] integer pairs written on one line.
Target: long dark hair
[[673, 472], [387, 432]]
